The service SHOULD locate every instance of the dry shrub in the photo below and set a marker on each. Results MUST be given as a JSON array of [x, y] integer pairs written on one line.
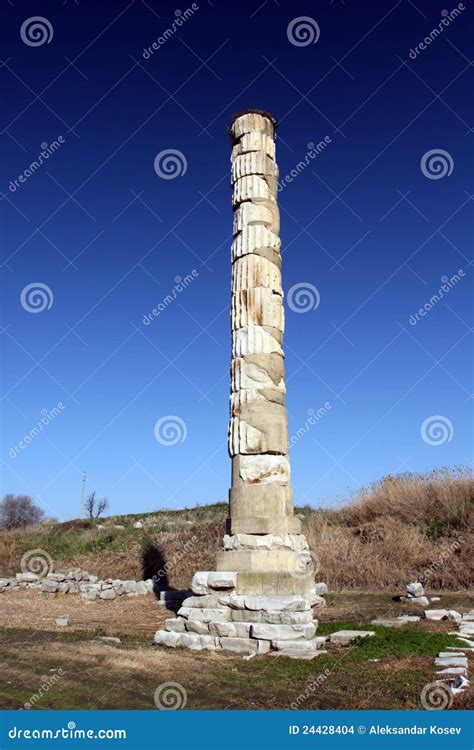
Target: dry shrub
[[399, 529], [442, 498]]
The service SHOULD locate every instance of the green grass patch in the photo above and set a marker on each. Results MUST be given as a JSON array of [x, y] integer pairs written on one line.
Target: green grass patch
[[404, 641]]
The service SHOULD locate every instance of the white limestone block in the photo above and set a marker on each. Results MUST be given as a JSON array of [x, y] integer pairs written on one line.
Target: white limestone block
[[343, 637], [296, 542], [217, 614], [271, 632], [249, 214], [175, 625], [436, 614], [251, 188], [254, 340], [254, 141], [244, 438], [197, 626], [284, 603], [257, 307], [208, 600], [199, 583], [255, 162], [249, 122], [252, 238], [289, 618], [264, 469], [252, 271], [222, 580], [296, 648], [249, 375]]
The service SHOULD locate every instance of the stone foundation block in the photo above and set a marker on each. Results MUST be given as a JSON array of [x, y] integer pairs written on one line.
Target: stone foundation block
[[209, 615], [270, 632], [208, 601], [175, 625], [197, 626], [222, 579]]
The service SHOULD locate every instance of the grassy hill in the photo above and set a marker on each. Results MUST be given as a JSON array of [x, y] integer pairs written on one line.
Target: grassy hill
[[395, 530]]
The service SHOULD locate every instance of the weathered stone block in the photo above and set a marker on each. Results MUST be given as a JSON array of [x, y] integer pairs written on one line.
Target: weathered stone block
[[26, 577], [175, 625], [252, 271], [260, 306], [209, 615], [49, 587], [252, 188], [199, 583], [251, 122], [222, 580], [273, 632], [197, 626], [254, 141], [255, 340], [264, 469], [344, 637], [209, 601], [108, 594], [239, 645]]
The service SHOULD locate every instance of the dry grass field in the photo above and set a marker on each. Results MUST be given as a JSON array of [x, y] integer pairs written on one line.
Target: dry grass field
[[388, 671]]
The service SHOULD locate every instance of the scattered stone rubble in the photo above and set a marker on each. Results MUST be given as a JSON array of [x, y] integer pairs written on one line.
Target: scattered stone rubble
[[77, 581], [453, 664], [415, 594]]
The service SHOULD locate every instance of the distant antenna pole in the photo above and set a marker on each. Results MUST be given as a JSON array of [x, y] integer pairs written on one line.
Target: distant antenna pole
[[81, 506]]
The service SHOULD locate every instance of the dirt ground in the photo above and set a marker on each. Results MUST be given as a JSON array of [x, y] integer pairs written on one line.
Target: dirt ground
[[45, 666]]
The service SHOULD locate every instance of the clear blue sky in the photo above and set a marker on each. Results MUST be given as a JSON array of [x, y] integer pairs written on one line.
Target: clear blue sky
[[108, 236]]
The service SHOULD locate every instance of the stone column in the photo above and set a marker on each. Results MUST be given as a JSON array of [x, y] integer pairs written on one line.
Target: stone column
[[263, 541], [260, 598]]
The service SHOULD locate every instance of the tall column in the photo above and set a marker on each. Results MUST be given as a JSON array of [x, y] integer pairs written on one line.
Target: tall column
[[261, 595], [263, 533]]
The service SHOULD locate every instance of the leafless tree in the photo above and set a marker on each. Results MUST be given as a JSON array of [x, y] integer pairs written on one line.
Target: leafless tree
[[96, 507], [17, 511]]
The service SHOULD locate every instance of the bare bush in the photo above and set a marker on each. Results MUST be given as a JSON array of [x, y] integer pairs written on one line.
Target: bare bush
[[18, 511], [96, 507]]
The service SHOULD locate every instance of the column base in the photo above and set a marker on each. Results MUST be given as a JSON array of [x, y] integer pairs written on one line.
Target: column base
[[217, 617]]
